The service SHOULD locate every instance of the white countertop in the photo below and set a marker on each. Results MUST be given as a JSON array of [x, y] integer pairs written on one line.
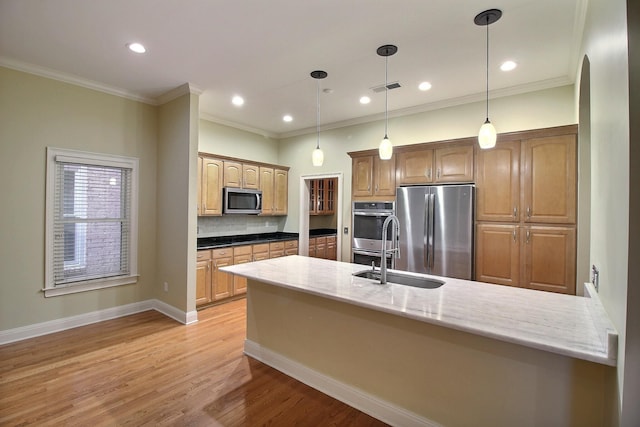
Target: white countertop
[[569, 325]]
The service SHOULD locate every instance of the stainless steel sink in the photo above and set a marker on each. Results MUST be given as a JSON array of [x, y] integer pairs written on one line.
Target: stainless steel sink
[[402, 279]]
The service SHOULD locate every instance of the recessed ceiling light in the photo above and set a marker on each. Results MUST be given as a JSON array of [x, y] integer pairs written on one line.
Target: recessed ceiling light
[[424, 86], [136, 47], [237, 100], [508, 66], [365, 100], [287, 118]]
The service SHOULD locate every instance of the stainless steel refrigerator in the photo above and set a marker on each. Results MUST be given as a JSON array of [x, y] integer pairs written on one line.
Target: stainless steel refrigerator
[[436, 230]]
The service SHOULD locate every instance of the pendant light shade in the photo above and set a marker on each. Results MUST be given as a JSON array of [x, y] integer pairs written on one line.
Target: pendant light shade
[[487, 135], [385, 150], [317, 156]]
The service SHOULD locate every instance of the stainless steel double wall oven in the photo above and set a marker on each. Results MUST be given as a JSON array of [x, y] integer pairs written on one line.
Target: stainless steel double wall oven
[[367, 221]]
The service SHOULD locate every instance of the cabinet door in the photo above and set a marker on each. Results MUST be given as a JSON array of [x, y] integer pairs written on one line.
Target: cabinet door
[[498, 183], [331, 248], [362, 179], [203, 278], [549, 179], [321, 247], [200, 184], [331, 185], [454, 164], [241, 255], [312, 247], [549, 258], [498, 254], [250, 176], [415, 167], [232, 174], [266, 185], [211, 191], [384, 177], [281, 192], [276, 249], [221, 282]]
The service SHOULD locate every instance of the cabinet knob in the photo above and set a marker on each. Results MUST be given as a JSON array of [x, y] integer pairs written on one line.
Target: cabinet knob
[[528, 235], [515, 212], [528, 211], [514, 235], [438, 173], [429, 173]]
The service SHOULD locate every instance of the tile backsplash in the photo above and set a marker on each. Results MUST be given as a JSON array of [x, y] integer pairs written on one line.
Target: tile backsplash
[[233, 225]]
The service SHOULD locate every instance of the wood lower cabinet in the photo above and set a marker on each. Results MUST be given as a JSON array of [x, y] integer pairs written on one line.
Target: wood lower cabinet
[[323, 247], [498, 254], [241, 255], [549, 255], [221, 282], [276, 249], [203, 277], [332, 252], [291, 247], [528, 256], [260, 251]]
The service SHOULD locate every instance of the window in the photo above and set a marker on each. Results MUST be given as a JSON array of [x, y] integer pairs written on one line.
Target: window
[[91, 212]]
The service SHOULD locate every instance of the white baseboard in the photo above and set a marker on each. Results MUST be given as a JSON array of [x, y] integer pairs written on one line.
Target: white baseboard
[[346, 393], [57, 325]]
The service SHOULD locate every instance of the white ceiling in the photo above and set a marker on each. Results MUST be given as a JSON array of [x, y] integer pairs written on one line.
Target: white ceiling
[[264, 50]]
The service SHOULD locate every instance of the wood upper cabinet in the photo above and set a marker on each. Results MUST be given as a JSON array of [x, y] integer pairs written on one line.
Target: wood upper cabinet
[[498, 254], [373, 177], [498, 183], [210, 189], [322, 196], [232, 174], [250, 176], [362, 176], [280, 192], [241, 175], [549, 179], [549, 254], [441, 164], [415, 167], [274, 184], [454, 164]]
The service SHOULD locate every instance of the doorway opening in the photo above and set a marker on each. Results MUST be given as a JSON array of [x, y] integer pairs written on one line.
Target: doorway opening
[[583, 245], [304, 217]]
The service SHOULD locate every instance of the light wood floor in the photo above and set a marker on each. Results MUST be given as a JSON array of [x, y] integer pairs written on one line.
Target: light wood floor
[[147, 369]]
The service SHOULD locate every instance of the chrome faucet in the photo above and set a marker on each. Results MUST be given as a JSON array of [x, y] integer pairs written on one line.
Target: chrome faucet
[[395, 246]]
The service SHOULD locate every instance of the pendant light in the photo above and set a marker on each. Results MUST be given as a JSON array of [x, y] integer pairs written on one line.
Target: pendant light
[[386, 148], [317, 157], [487, 135]]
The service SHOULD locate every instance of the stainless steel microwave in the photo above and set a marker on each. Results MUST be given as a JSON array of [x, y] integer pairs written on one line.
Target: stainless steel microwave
[[241, 201]]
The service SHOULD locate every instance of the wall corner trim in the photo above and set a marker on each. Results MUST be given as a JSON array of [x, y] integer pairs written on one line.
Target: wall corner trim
[[352, 396], [38, 329]]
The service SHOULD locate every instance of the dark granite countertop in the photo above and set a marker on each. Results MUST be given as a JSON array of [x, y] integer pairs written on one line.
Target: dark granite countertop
[[244, 239], [322, 232]]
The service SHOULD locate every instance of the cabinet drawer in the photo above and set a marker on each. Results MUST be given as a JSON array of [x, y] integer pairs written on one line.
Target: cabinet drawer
[[242, 250], [276, 246], [290, 244], [261, 248], [223, 252], [331, 239], [204, 255]]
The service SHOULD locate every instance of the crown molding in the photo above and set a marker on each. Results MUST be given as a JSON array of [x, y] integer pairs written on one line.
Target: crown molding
[[177, 92], [438, 105], [74, 80]]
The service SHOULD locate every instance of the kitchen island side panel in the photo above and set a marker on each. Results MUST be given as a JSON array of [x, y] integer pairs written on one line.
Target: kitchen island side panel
[[450, 377]]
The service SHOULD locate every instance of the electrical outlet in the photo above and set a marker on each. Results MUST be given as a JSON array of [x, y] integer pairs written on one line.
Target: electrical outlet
[[166, 287]]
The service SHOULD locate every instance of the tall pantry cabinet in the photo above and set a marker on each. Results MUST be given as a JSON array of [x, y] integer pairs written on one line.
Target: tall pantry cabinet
[[526, 211]]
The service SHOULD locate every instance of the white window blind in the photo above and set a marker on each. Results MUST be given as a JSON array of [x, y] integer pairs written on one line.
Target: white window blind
[[92, 221]]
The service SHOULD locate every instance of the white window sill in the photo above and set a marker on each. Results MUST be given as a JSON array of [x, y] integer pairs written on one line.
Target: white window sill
[[89, 285]]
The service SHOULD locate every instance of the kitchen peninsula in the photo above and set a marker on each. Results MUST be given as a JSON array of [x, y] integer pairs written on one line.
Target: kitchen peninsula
[[466, 353]]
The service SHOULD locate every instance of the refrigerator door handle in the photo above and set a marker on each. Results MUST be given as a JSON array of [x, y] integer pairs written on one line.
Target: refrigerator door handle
[[432, 202], [426, 231]]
